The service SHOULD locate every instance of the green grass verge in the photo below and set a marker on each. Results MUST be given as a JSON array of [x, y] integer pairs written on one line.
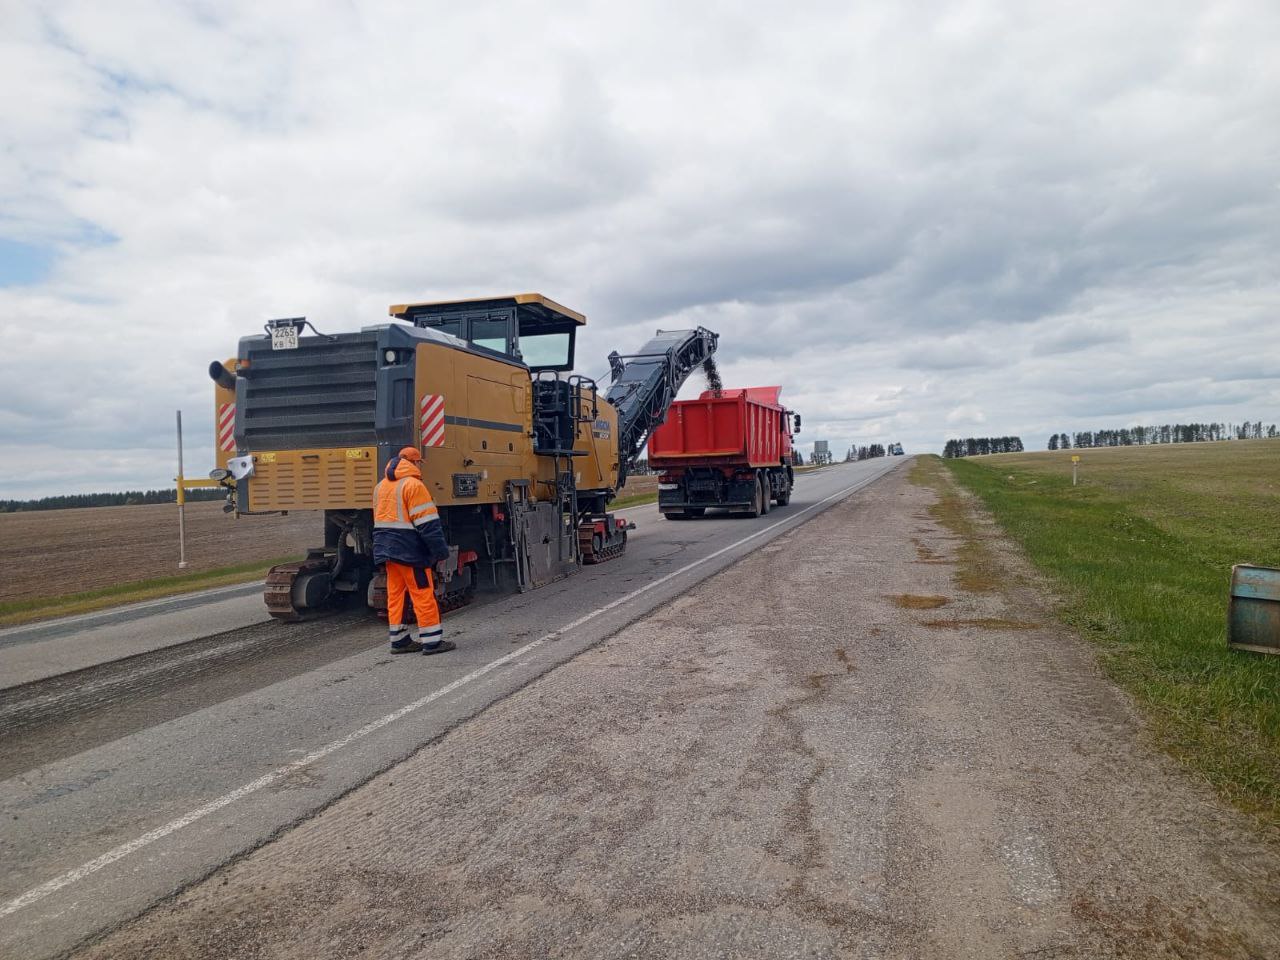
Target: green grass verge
[[640, 498], [15, 612], [976, 568], [1145, 563]]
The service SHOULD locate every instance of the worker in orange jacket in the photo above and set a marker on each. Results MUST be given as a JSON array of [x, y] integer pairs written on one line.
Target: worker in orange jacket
[[409, 539]]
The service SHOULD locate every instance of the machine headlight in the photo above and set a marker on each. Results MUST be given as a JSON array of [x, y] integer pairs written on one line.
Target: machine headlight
[[218, 474]]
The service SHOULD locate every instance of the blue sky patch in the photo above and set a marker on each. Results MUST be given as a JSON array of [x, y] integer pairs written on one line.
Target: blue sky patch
[[24, 263]]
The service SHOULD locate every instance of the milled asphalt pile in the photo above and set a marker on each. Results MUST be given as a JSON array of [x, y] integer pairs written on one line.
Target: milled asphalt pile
[[783, 763]]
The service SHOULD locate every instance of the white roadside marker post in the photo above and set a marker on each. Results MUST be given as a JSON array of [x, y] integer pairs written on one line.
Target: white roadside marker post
[[182, 504], [183, 483], [1075, 465]]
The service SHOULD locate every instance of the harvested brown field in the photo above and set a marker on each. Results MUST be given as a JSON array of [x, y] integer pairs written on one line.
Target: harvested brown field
[[640, 489], [55, 553], [49, 553]]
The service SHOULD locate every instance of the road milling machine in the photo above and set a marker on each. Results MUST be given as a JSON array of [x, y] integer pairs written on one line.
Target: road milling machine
[[521, 455]]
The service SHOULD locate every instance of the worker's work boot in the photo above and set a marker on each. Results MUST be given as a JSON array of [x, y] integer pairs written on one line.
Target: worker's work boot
[[402, 641], [444, 646]]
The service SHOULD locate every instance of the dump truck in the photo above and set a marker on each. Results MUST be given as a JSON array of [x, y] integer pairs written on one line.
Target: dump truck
[[727, 449], [521, 455]]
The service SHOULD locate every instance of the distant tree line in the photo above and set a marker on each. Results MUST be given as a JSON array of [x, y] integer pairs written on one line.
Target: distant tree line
[[981, 446], [865, 453], [1167, 433], [127, 498]]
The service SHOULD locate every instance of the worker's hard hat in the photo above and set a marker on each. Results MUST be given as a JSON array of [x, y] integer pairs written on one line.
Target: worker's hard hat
[[411, 454]]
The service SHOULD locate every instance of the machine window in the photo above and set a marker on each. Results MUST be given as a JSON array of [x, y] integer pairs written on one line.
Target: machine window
[[452, 327], [545, 349], [490, 334]]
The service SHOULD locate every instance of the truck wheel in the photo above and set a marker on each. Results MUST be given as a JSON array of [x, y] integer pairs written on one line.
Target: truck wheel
[[766, 495]]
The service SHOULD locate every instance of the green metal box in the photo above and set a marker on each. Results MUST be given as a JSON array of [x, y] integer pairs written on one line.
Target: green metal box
[[1253, 614]]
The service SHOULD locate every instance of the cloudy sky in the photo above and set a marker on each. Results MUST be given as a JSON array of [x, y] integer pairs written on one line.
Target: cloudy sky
[[923, 219]]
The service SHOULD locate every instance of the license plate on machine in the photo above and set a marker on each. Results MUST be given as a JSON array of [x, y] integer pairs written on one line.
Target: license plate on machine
[[284, 338]]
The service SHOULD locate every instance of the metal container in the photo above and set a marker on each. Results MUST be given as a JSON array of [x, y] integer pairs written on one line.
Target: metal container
[[1253, 613], [744, 427]]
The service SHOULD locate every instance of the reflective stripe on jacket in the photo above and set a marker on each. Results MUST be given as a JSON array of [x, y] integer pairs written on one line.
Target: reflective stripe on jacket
[[406, 523]]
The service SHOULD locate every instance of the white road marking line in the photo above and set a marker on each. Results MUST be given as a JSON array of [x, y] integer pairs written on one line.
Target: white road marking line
[[213, 806]]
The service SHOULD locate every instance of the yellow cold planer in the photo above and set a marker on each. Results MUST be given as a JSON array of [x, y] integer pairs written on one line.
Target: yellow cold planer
[[521, 455]]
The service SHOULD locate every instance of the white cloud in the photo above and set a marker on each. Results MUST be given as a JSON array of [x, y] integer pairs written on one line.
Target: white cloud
[[913, 216], [966, 416]]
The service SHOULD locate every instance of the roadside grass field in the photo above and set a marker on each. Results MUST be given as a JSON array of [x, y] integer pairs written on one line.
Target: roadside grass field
[[1142, 550]]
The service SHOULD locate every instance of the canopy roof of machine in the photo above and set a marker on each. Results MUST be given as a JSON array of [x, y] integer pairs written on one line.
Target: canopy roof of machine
[[535, 311]]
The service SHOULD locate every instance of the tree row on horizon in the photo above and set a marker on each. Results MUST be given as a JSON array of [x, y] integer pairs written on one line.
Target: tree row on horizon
[[1167, 433], [981, 446], [127, 498], [865, 453]]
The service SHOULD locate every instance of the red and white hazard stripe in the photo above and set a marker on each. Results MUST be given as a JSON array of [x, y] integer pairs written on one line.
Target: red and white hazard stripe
[[227, 427], [431, 420]]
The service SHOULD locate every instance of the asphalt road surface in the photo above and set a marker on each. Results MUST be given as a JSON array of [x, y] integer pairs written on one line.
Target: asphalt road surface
[[830, 749], [189, 732]]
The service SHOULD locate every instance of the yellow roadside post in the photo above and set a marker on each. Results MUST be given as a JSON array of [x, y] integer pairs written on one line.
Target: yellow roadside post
[[1075, 464]]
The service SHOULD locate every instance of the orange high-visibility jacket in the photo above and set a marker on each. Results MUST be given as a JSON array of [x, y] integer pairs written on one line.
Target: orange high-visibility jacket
[[406, 523]]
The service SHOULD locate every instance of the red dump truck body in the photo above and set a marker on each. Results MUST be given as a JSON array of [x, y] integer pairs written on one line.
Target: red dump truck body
[[747, 427], [728, 449]]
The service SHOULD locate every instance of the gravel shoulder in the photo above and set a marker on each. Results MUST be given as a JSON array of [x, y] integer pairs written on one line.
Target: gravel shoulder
[[827, 750]]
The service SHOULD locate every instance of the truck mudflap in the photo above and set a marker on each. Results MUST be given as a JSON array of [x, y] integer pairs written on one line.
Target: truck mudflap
[[602, 538]]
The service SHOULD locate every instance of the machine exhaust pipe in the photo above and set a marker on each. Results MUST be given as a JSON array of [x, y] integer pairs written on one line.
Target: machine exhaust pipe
[[219, 375]]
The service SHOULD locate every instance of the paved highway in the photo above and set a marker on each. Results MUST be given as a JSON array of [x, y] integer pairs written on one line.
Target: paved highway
[[57, 647], [192, 731]]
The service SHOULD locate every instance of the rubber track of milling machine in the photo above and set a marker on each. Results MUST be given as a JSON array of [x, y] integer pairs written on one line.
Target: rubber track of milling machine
[[282, 579], [593, 554]]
